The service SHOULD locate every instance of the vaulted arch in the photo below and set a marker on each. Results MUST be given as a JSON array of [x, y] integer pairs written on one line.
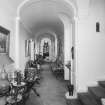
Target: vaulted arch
[[63, 13]]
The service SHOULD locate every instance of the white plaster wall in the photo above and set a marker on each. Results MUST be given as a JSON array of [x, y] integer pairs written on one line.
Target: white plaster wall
[[67, 48], [67, 43], [91, 46], [23, 35]]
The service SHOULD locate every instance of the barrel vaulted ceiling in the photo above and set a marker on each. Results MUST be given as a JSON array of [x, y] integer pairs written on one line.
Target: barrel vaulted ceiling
[[81, 4], [43, 13], [16, 3], [33, 14]]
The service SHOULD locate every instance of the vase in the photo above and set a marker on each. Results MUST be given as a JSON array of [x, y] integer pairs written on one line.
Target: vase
[[4, 83], [3, 74]]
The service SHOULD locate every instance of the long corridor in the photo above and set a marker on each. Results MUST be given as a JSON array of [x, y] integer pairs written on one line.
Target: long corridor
[[51, 90]]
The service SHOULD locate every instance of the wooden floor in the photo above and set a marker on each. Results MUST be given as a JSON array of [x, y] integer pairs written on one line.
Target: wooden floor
[[52, 91]]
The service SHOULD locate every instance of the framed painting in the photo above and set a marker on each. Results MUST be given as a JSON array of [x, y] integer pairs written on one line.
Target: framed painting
[[4, 40], [27, 48]]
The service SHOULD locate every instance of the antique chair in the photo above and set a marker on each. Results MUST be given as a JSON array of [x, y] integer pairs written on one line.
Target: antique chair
[[31, 79], [57, 68], [18, 87]]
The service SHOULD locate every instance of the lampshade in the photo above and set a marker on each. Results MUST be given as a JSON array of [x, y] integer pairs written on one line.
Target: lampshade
[[5, 59], [4, 83]]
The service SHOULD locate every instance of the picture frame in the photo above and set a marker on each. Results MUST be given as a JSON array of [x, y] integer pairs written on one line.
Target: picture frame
[[4, 40], [27, 48]]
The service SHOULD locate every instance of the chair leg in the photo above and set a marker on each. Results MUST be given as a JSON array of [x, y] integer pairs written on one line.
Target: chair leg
[[36, 92]]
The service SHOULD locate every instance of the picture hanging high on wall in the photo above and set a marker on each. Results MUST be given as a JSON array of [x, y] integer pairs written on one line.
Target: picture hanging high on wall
[[4, 40]]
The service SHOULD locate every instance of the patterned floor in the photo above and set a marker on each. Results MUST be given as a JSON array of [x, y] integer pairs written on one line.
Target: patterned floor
[[51, 90]]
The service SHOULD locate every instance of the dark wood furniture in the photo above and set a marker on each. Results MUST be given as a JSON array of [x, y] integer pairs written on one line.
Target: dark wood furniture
[[20, 91], [57, 69], [20, 88], [16, 96], [39, 59], [31, 78]]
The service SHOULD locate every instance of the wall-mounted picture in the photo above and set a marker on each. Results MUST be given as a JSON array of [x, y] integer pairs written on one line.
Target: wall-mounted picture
[[4, 40], [27, 48]]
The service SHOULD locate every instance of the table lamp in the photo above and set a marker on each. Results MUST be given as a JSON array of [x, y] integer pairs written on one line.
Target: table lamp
[[4, 83]]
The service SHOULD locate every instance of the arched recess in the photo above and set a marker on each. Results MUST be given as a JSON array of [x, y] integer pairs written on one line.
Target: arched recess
[[69, 9], [46, 33], [51, 47], [41, 44]]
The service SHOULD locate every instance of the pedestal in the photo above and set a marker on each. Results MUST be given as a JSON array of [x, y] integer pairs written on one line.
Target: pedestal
[[69, 97]]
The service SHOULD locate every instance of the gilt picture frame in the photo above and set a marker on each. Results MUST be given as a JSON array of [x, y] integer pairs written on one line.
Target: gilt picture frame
[[4, 40]]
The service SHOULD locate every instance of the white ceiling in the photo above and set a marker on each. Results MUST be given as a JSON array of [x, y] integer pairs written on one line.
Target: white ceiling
[[79, 3], [16, 3], [54, 25], [33, 14]]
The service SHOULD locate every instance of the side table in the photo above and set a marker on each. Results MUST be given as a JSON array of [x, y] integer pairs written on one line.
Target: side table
[[16, 94]]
